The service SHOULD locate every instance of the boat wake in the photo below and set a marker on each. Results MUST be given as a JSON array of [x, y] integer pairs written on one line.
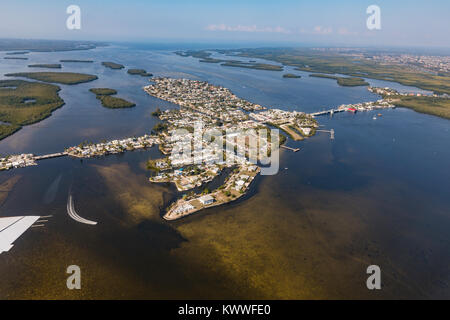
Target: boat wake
[[51, 192], [73, 214]]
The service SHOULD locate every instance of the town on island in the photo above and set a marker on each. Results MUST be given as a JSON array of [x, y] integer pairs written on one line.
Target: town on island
[[212, 131]]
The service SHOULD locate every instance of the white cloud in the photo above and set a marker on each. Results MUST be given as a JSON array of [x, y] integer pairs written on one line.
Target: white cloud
[[241, 28], [322, 30], [316, 30], [346, 32]]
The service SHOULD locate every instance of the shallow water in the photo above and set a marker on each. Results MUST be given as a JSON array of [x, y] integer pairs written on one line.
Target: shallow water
[[377, 194]]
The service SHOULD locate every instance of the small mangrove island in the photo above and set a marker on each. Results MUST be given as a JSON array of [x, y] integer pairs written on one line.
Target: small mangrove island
[[105, 97], [77, 61], [113, 65], [291, 75], [140, 72], [55, 77], [53, 66], [18, 52]]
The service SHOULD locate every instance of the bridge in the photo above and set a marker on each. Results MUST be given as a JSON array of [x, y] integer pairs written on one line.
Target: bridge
[[51, 155], [331, 112]]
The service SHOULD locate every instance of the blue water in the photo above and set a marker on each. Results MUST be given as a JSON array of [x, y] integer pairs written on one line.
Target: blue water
[[381, 187]]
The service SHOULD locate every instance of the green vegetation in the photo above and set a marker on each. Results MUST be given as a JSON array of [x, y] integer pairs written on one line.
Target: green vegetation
[[205, 56], [46, 45], [54, 65], [140, 72], [323, 61], [211, 60], [23, 103], [73, 60], [291, 75], [56, 77], [430, 105], [343, 81], [194, 53], [282, 139], [113, 65], [16, 58], [104, 95], [103, 91], [157, 112], [18, 52], [159, 127], [151, 165], [257, 66], [114, 103]]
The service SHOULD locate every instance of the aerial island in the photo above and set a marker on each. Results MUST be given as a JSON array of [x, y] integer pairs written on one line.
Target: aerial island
[[291, 75], [56, 77], [113, 65], [76, 61], [17, 52], [24, 102], [220, 112], [15, 58], [231, 136], [140, 72], [49, 65], [108, 101]]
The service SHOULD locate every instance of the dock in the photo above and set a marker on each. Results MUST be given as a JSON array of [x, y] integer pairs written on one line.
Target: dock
[[289, 148], [331, 132]]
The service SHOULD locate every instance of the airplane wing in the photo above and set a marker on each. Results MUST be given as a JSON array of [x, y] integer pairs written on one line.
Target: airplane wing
[[12, 228]]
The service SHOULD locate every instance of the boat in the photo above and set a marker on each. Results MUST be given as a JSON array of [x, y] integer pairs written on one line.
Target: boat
[[353, 110], [374, 118], [379, 114]]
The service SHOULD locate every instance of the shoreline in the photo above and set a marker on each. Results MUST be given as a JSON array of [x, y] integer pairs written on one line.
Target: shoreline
[[172, 215]]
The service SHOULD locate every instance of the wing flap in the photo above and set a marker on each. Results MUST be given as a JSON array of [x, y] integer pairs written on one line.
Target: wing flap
[[12, 228]]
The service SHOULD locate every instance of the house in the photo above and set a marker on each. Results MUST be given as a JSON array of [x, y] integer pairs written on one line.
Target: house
[[306, 131], [207, 199]]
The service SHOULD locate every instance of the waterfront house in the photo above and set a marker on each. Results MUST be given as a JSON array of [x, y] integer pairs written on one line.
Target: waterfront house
[[207, 199]]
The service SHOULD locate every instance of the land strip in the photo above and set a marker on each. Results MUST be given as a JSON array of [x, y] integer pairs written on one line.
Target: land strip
[[69, 78], [23, 103]]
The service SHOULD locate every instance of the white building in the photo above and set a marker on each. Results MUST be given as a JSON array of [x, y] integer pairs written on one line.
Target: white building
[[205, 200]]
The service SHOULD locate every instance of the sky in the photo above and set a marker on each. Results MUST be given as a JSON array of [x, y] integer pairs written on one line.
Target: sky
[[410, 23]]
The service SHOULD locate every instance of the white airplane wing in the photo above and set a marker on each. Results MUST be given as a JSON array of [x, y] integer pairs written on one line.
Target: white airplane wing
[[12, 228]]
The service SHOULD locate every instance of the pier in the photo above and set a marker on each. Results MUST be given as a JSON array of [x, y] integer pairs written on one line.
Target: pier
[[330, 131], [289, 148]]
